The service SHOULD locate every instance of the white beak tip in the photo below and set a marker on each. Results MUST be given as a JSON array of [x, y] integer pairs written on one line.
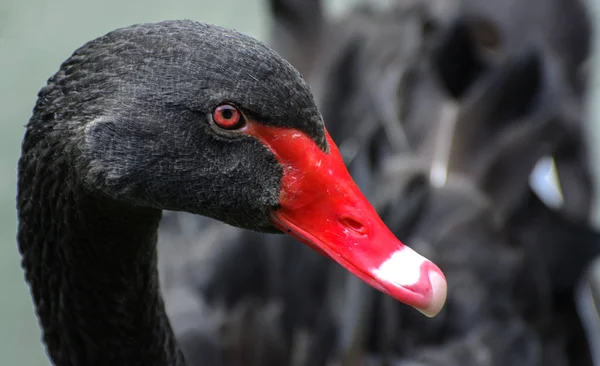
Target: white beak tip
[[439, 289]]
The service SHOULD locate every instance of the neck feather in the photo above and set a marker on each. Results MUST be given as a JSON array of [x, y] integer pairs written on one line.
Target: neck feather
[[91, 264]]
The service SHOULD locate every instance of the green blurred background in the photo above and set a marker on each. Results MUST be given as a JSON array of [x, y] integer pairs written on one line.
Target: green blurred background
[[35, 37]]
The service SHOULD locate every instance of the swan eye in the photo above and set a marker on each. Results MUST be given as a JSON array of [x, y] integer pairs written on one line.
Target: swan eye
[[228, 117]]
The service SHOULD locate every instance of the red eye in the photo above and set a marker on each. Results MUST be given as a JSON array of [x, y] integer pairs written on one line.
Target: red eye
[[228, 117]]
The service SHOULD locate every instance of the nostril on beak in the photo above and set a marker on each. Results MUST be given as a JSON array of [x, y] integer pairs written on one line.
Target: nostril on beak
[[353, 225]]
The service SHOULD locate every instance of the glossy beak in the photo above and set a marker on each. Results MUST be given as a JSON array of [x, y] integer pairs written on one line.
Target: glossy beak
[[321, 206]]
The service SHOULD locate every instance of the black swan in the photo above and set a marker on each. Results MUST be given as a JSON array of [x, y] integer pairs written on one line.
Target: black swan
[[183, 116]]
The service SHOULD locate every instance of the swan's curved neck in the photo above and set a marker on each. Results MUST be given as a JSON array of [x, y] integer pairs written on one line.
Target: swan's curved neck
[[92, 267]]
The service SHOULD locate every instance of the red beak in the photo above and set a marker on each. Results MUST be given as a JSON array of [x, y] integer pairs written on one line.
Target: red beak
[[322, 207]]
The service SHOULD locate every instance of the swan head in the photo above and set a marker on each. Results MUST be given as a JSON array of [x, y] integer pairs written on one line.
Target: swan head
[[185, 116]]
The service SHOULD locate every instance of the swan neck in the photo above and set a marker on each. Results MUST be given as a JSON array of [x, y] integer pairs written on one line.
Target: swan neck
[[91, 264]]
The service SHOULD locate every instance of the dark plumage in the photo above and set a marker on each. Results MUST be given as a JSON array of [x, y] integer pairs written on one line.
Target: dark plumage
[[120, 132], [515, 100], [189, 117]]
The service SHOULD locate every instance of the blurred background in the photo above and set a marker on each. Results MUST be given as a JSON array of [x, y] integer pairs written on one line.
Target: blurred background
[[37, 35]]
